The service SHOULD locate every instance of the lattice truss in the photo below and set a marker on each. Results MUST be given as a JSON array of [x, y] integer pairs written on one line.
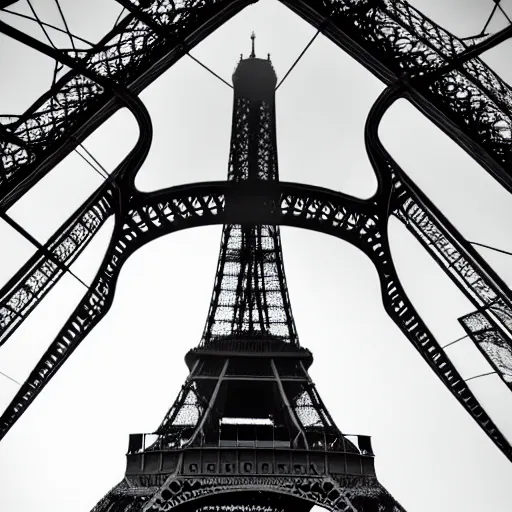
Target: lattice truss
[[198, 410], [250, 297], [253, 138], [438, 73]]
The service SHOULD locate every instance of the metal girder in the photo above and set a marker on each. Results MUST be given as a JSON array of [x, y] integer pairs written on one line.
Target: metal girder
[[454, 88], [27, 288], [153, 215], [466, 268], [129, 57], [470, 274], [29, 285], [444, 77], [132, 162]]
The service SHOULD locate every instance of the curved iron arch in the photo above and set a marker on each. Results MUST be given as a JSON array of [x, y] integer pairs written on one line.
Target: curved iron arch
[[328, 492], [350, 24], [153, 215]]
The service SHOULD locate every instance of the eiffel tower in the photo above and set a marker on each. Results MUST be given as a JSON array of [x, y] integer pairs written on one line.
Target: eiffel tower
[[248, 430], [440, 74]]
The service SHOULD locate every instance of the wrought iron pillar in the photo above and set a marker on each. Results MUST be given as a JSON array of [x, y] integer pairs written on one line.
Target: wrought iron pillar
[[248, 431]]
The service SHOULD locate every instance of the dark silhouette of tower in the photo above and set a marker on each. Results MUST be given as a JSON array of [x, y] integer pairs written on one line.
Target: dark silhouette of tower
[[440, 74], [248, 430]]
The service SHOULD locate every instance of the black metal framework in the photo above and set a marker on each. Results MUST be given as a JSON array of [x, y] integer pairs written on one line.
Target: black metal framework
[[248, 430], [418, 60], [250, 296], [295, 456]]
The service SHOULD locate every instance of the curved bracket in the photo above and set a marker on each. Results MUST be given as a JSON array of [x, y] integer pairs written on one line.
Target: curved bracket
[[444, 78], [398, 188]]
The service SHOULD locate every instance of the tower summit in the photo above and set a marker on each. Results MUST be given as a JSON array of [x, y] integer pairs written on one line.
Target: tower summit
[[249, 432], [255, 79], [253, 37]]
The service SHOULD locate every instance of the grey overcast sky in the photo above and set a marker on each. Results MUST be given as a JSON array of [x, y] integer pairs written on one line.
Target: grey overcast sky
[[68, 449]]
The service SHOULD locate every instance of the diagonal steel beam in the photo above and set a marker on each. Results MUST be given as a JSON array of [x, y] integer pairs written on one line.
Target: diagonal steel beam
[[27, 288], [131, 57]]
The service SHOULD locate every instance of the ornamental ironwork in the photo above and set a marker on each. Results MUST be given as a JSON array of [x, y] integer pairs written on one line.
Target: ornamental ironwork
[[250, 311]]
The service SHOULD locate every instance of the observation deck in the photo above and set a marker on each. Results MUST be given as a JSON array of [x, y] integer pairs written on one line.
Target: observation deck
[[252, 450], [255, 79], [250, 346]]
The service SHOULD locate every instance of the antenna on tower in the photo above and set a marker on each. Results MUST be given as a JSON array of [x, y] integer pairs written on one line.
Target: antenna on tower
[[253, 37]]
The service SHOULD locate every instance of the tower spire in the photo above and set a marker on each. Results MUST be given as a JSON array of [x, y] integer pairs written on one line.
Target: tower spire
[[250, 302], [253, 37]]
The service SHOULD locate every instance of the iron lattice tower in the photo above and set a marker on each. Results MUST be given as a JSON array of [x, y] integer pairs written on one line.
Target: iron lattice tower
[[248, 431], [440, 74]]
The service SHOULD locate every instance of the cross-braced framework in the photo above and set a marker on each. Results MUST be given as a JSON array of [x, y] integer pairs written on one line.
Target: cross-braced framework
[[248, 428], [439, 74]]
